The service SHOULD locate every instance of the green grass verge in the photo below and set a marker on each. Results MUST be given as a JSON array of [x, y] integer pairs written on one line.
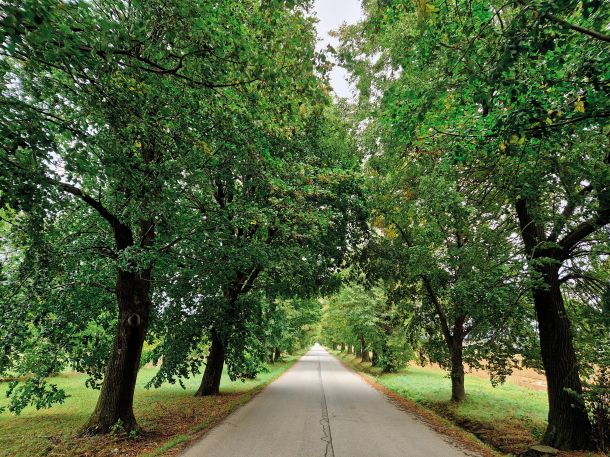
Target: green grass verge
[[508, 416], [39, 432]]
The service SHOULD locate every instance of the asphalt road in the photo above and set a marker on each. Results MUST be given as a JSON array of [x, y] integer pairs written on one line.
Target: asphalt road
[[319, 408]]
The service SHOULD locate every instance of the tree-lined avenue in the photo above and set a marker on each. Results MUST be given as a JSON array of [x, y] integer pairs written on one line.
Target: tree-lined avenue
[[320, 408]]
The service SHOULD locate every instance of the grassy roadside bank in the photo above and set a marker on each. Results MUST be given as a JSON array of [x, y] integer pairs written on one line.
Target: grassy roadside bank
[[170, 417], [508, 418]]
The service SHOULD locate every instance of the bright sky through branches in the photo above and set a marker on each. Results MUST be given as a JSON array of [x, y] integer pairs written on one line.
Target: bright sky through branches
[[333, 13]]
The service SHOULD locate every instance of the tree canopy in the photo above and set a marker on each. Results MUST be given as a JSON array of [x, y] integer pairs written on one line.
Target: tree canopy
[[179, 185]]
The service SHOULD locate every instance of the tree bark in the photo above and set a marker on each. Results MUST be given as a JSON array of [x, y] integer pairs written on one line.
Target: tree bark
[[364, 351], [115, 402], [277, 355], [375, 359], [342, 347], [568, 424], [458, 391], [210, 384]]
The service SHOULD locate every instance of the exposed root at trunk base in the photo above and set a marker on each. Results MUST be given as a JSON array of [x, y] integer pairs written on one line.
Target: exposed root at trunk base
[[127, 427]]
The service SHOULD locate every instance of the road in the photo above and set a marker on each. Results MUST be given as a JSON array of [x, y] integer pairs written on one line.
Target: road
[[319, 408]]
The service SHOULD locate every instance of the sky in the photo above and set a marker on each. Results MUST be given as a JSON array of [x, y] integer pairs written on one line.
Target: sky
[[333, 13]]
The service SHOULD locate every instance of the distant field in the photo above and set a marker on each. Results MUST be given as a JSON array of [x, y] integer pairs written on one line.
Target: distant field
[[169, 413]]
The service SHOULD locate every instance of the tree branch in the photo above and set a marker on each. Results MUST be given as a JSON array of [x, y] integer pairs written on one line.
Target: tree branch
[[592, 33], [439, 309], [122, 233]]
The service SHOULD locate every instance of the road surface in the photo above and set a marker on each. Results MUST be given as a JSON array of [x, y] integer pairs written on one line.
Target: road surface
[[319, 408]]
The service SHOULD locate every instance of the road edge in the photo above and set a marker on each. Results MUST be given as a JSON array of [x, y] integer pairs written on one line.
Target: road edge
[[438, 423], [178, 444]]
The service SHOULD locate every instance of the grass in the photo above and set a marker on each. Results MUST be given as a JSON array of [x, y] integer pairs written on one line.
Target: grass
[[169, 415], [509, 418], [506, 403]]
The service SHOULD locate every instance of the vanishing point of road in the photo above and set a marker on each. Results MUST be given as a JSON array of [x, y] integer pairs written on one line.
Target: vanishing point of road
[[319, 408]]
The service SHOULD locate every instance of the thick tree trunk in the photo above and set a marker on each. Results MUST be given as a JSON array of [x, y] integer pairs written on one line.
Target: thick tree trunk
[[277, 355], [364, 351], [115, 403], [350, 349], [342, 347], [210, 384], [458, 391], [375, 359], [568, 423]]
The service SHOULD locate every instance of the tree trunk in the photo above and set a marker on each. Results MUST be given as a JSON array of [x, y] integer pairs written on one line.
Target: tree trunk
[[375, 359], [271, 359], [568, 423], [278, 355], [115, 402], [350, 349], [458, 392], [342, 347], [365, 351], [210, 384]]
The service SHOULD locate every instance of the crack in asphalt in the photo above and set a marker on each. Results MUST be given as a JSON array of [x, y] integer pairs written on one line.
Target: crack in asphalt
[[325, 422]]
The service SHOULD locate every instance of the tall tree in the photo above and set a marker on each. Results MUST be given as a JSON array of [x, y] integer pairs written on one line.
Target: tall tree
[[110, 106], [515, 92], [288, 211]]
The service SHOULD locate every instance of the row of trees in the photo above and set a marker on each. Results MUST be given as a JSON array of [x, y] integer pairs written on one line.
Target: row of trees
[[485, 130], [171, 172], [361, 319]]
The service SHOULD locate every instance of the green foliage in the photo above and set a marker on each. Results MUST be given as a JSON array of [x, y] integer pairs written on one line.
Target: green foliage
[[187, 144], [358, 314], [487, 137]]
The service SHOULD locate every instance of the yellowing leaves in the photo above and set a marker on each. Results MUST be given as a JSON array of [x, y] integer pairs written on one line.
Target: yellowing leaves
[[579, 106], [390, 232], [425, 9], [513, 140], [517, 140]]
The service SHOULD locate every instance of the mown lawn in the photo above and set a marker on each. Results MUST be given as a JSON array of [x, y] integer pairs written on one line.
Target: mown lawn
[[169, 415], [508, 417]]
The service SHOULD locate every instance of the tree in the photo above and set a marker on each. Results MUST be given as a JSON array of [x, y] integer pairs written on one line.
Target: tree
[[109, 109], [450, 264], [515, 93], [288, 215], [361, 315]]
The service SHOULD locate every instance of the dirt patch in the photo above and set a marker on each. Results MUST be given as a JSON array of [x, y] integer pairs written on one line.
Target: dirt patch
[[508, 438]]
